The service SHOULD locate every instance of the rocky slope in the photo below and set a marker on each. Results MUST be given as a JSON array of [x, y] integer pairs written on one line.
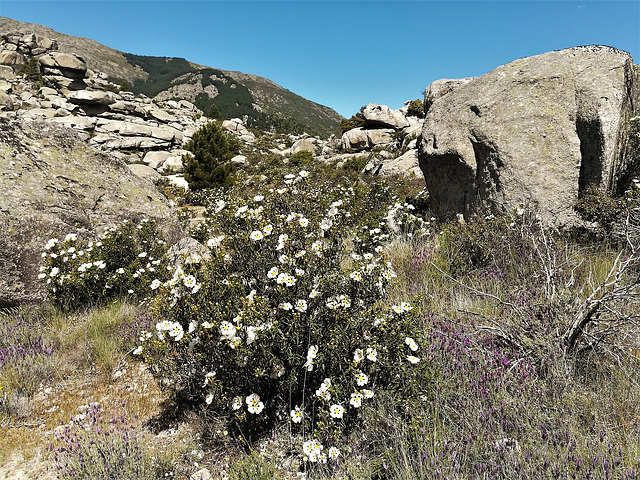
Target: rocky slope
[[263, 103]]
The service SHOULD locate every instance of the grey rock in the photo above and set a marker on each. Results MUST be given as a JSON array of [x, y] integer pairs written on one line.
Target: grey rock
[[93, 98], [8, 57], [308, 143], [178, 181], [537, 130], [59, 185], [69, 65], [7, 73], [381, 136], [355, 139], [172, 164], [239, 160], [440, 88], [6, 102], [383, 116], [156, 159], [145, 172]]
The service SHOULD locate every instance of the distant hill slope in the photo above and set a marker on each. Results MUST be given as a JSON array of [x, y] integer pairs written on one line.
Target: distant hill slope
[[265, 104]]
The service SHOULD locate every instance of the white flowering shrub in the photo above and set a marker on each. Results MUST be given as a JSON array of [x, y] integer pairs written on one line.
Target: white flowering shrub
[[284, 320], [124, 260]]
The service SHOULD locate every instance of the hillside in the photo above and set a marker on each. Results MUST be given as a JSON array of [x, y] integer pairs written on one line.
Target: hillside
[[265, 104]]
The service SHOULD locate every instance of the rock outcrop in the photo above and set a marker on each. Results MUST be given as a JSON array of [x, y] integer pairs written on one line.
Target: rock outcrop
[[56, 184], [536, 130]]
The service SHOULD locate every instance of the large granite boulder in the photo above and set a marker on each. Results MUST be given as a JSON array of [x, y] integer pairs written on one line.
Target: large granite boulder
[[55, 184], [381, 116], [536, 130]]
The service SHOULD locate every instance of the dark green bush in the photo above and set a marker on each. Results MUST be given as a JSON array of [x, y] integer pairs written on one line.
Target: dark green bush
[[355, 121], [209, 164], [595, 205], [302, 158], [416, 108], [355, 164]]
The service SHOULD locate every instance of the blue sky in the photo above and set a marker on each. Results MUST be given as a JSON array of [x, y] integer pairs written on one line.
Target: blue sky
[[343, 54]]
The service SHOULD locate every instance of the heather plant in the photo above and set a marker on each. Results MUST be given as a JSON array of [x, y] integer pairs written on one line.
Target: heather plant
[[26, 358], [285, 319], [106, 448], [124, 261]]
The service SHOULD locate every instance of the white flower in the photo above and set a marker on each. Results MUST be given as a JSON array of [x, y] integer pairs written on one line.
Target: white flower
[[336, 411], [72, 237], [42, 275], [406, 306], [268, 230], [54, 272], [258, 198], [189, 281], [215, 241], [138, 350], [314, 293], [344, 301], [120, 271], [284, 258], [326, 385], [358, 355], [301, 306], [367, 393], [372, 354], [334, 453], [208, 377], [227, 329], [413, 359], [254, 405], [241, 211], [397, 309], [220, 204], [316, 247], [286, 306], [326, 224], [304, 222], [361, 379], [273, 273], [311, 355], [209, 399], [142, 255], [256, 235], [300, 272], [176, 331], [164, 325], [356, 399], [303, 174], [236, 404], [312, 449], [296, 415], [356, 275], [411, 343], [323, 394], [207, 325]]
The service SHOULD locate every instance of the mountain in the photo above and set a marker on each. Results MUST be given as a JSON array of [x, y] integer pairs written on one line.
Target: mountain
[[259, 101]]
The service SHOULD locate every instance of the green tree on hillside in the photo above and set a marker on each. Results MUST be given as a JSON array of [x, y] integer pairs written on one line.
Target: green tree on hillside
[[209, 164]]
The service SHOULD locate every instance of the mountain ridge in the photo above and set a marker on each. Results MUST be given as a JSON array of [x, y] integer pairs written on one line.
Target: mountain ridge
[[261, 102]]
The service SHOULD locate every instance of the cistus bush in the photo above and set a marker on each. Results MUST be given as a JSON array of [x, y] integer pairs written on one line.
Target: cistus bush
[[284, 321], [123, 261]]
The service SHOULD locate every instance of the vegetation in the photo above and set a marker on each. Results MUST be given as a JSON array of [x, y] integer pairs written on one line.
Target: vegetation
[[332, 332], [302, 158], [355, 121], [416, 108], [209, 164]]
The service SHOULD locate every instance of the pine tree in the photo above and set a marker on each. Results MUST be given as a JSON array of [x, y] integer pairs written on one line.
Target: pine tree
[[209, 165]]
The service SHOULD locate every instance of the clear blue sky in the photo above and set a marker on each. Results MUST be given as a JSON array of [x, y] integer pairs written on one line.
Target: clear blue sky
[[343, 54]]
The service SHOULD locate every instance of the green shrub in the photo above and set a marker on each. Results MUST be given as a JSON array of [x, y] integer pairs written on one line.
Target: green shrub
[[355, 121], [124, 261], [285, 319], [595, 205], [355, 164], [209, 164], [416, 108], [301, 159]]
